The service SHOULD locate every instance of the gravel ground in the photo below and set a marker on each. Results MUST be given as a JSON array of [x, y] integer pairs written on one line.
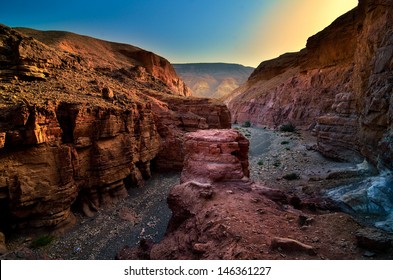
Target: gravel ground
[[143, 214]]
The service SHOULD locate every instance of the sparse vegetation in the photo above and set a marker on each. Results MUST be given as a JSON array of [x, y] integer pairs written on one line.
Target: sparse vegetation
[[247, 124], [42, 241], [277, 163], [291, 176], [289, 127], [284, 142]]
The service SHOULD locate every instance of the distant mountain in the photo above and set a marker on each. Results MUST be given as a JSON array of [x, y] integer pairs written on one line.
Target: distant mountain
[[212, 80]]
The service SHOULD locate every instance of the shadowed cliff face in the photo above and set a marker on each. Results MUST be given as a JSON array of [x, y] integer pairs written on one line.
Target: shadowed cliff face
[[81, 120], [340, 84]]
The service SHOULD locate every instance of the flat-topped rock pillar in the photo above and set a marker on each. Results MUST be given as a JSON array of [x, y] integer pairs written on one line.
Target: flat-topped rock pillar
[[216, 155]]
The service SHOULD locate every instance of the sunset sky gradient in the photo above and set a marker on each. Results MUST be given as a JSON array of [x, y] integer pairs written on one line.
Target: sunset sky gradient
[[236, 31]]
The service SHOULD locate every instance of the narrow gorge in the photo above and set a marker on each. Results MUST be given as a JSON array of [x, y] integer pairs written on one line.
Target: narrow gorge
[[105, 151], [82, 120]]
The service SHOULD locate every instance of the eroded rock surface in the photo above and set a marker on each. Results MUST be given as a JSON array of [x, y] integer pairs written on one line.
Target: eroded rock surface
[[340, 84], [82, 119], [219, 217], [215, 156]]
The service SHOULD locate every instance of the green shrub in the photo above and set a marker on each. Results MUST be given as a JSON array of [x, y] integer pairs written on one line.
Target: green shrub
[[247, 124], [291, 176], [260, 163], [42, 241], [277, 163], [289, 127], [284, 142]]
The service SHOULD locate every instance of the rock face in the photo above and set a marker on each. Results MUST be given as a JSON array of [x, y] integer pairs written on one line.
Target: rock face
[[215, 156], [217, 215], [212, 80], [176, 116], [78, 128], [340, 84]]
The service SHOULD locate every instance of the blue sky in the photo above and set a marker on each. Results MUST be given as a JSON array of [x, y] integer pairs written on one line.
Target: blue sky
[[239, 31]]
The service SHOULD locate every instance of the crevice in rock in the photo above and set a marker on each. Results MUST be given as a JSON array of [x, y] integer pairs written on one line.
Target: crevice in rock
[[66, 116]]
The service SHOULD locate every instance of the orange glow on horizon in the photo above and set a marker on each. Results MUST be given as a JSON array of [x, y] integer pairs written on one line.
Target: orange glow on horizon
[[289, 24]]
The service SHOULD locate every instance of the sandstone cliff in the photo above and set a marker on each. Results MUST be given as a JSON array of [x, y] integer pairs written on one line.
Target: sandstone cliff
[[82, 119], [212, 80], [340, 84]]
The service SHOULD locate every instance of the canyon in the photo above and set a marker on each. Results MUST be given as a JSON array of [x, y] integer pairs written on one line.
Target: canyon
[[86, 123], [82, 120], [339, 86], [212, 80]]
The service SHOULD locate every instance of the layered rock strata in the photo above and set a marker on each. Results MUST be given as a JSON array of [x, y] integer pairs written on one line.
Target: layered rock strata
[[218, 213], [78, 129], [340, 84], [215, 156]]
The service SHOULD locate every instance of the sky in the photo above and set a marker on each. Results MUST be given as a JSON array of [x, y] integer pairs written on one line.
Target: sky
[[186, 31]]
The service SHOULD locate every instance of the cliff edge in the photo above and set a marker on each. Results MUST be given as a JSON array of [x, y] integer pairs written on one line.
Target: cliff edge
[[340, 85]]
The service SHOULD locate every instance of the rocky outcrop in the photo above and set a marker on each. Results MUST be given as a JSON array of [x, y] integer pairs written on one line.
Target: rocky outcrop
[[78, 129], [366, 121], [27, 59], [56, 154], [180, 117], [215, 156], [113, 58], [340, 84], [299, 87], [223, 215]]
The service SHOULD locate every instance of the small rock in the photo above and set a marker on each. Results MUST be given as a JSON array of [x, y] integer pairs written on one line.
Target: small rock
[[200, 248], [374, 239], [28, 239], [368, 254], [107, 93], [77, 250], [315, 239], [291, 245]]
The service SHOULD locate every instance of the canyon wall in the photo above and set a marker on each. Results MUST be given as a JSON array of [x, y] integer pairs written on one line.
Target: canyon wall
[[78, 129], [340, 85]]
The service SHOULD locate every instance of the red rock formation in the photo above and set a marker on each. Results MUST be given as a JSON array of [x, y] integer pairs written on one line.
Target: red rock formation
[[181, 116], [77, 128], [365, 118], [112, 57], [217, 213], [215, 156], [340, 84]]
